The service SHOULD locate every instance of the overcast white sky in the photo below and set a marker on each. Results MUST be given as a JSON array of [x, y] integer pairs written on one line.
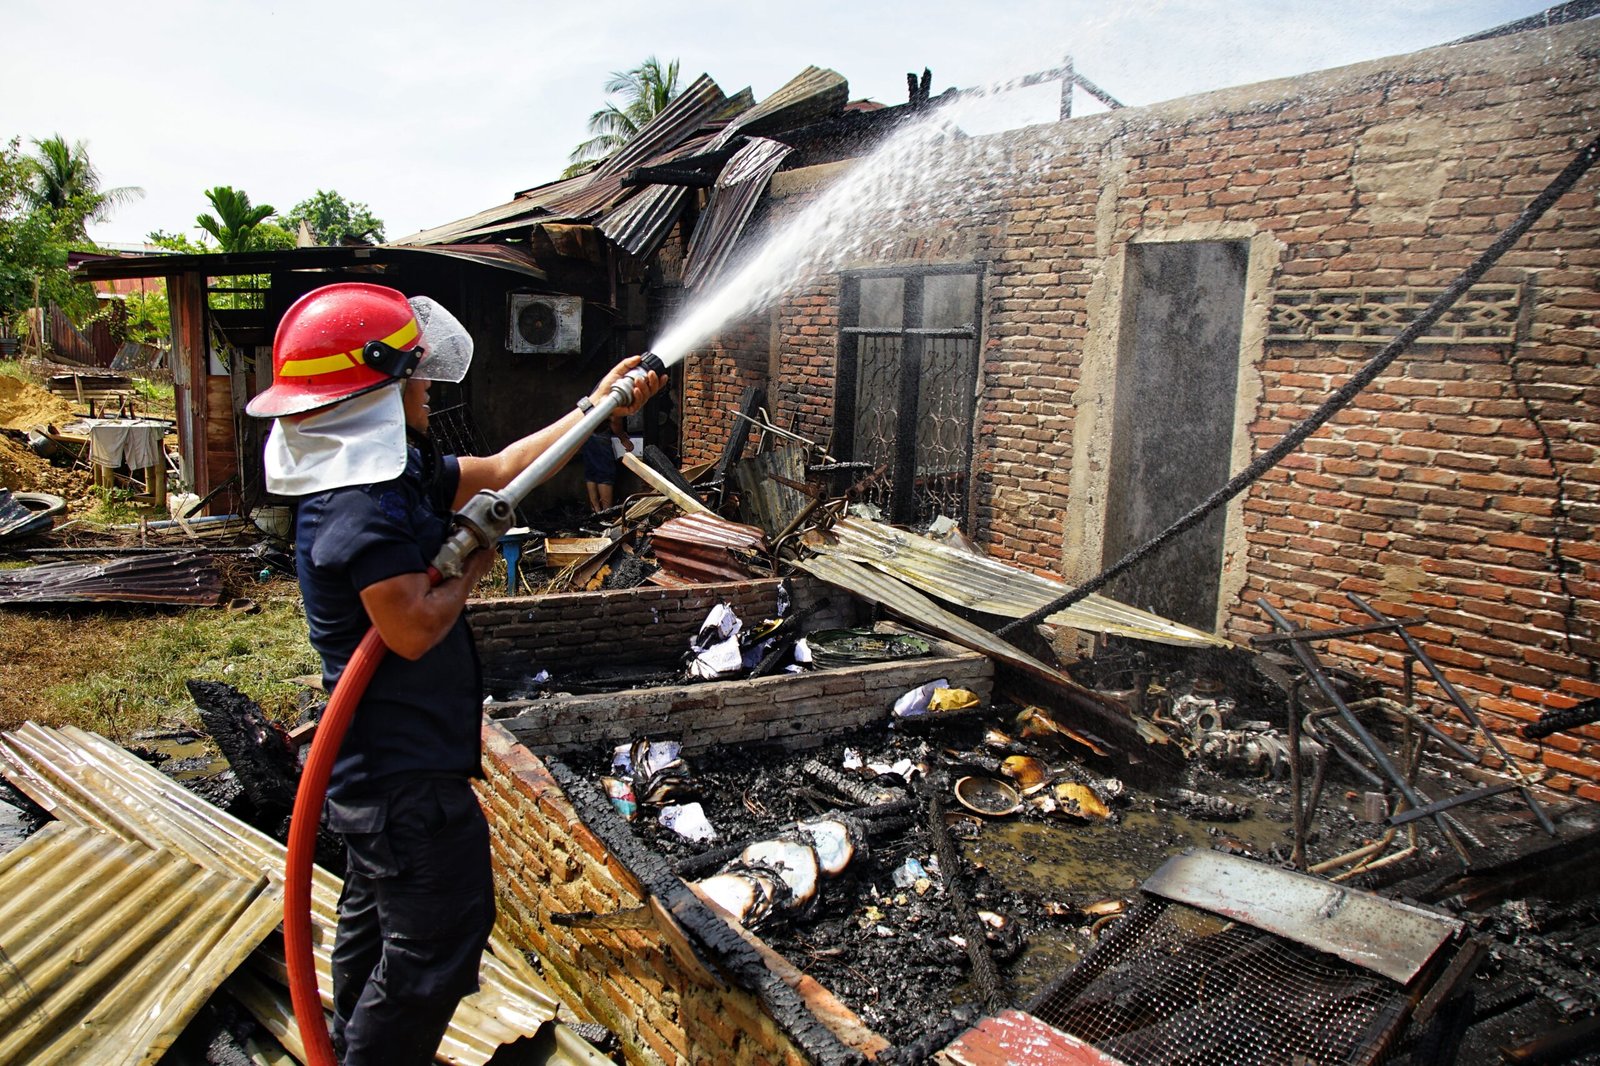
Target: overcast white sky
[[429, 111]]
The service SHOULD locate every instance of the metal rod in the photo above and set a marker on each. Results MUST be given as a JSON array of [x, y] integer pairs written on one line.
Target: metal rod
[[1467, 712], [1402, 817], [1329, 634], [1368, 741]]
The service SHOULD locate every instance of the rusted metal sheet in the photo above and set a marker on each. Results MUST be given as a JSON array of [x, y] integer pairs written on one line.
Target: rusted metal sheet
[[19, 521], [1383, 935], [672, 126], [1012, 1038], [703, 547], [184, 578], [916, 608], [111, 947], [766, 489], [84, 779], [970, 580], [813, 94], [733, 199], [664, 133], [641, 225]]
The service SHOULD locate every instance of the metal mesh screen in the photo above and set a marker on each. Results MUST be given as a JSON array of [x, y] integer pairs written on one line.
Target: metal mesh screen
[[944, 425], [1175, 984]]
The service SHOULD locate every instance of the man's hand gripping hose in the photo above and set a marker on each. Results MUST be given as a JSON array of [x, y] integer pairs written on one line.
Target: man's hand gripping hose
[[479, 524]]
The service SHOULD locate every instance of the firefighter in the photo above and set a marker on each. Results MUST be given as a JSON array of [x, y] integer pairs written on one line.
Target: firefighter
[[352, 364]]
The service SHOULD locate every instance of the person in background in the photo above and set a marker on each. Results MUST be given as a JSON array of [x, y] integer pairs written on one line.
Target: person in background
[[352, 365], [600, 463]]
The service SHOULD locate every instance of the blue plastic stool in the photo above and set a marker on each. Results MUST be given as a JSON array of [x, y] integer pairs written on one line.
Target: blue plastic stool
[[511, 551]]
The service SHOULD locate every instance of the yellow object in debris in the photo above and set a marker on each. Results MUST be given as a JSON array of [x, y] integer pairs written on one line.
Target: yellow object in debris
[[952, 699], [1080, 801]]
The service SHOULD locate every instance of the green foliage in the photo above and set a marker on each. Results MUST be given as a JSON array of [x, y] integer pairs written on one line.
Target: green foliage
[[646, 90], [178, 242], [236, 218], [63, 180], [46, 202], [149, 318], [333, 220]]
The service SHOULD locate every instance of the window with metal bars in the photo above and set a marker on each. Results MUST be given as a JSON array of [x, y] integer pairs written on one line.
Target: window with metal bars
[[907, 381]]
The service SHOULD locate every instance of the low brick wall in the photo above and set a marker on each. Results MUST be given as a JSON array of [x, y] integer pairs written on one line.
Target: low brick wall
[[666, 994], [518, 636]]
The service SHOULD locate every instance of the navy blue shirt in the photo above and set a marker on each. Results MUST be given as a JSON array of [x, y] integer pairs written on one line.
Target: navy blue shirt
[[419, 716]]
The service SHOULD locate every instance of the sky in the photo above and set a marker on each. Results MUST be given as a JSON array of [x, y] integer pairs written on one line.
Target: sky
[[428, 112]]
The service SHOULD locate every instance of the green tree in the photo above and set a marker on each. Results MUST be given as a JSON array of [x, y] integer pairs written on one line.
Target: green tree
[[236, 218], [34, 241], [333, 220], [645, 92], [63, 180]]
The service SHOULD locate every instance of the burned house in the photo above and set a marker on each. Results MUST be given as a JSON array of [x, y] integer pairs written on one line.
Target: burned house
[[1085, 330]]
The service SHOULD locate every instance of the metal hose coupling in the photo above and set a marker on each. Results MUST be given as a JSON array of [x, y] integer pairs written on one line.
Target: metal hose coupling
[[480, 523], [623, 387]]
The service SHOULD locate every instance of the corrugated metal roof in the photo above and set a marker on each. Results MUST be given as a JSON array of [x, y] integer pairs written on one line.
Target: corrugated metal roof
[[642, 224], [86, 780], [223, 264], [671, 126], [110, 947], [917, 609], [184, 578], [812, 94], [733, 200], [711, 531], [703, 547], [19, 521], [961, 577], [664, 133]]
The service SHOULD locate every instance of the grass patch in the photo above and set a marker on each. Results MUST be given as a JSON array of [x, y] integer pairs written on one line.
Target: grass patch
[[118, 670]]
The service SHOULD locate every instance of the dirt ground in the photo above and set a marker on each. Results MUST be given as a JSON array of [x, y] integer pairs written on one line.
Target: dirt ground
[[25, 406]]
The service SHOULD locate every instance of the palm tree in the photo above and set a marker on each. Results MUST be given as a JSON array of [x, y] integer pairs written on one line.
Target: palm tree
[[646, 91], [235, 220], [64, 180]]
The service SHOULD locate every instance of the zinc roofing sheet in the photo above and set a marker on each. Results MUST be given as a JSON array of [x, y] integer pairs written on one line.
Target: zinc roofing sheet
[[111, 946], [186, 578], [962, 577], [84, 779], [642, 223], [733, 201], [908, 603]]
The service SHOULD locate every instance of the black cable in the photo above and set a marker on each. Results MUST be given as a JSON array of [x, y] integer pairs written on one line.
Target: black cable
[[1292, 440]]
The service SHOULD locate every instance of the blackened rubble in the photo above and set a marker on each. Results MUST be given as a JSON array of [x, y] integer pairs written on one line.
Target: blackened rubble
[[884, 937]]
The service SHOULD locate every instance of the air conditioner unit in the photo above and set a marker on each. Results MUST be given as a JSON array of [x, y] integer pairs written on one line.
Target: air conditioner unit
[[537, 323]]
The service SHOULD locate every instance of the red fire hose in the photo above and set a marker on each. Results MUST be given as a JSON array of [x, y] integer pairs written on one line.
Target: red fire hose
[[479, 525], [303, 824]]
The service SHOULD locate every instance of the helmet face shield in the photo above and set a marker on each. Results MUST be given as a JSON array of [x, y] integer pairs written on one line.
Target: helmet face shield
[[446, 344]]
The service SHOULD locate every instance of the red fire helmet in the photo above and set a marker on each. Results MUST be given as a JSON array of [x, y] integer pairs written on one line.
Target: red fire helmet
[[324, 350]]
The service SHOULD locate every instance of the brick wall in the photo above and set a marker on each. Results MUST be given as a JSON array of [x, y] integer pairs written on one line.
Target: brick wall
[[518, 636], [647, 985], [1463, 484], [713, 381]]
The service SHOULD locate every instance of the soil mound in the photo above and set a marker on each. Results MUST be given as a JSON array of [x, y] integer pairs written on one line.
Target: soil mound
[[24, 405], [21, 470]]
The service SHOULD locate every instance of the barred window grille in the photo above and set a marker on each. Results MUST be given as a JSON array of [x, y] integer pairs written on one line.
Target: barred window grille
[[908, 371]]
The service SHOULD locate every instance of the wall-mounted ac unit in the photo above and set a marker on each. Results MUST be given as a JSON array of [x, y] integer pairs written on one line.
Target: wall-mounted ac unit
[[540, 324]]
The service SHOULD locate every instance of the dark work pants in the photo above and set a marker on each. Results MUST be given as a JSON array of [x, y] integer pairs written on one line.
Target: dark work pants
[[415, 913]]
